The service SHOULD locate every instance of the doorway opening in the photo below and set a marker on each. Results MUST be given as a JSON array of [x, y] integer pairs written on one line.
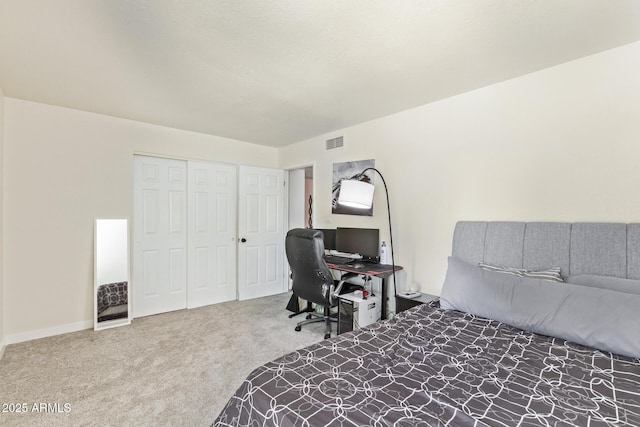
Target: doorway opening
[[301, 198]]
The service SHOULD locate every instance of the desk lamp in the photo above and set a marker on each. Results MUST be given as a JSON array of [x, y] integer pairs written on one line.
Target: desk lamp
[[359, 194]]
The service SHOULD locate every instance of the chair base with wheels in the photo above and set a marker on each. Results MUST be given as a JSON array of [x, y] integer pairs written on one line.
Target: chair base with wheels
[[295, 307], [313, 317], [316, 317]]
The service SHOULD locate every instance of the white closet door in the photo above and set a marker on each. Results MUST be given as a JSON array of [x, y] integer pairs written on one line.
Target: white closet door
[[160, 235], [261, 232], [212, 234]]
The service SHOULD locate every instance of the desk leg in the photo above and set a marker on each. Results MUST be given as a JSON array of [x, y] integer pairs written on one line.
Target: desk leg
[[383, 309]]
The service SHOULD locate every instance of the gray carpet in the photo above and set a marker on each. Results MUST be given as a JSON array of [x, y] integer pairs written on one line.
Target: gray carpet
[[175, 369]]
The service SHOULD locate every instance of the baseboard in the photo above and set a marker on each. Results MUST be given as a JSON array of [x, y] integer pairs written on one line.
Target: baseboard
[[2, 346], [48, 332]]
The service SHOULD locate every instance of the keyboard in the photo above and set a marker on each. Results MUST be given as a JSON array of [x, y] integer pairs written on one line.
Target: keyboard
[[335, 259]]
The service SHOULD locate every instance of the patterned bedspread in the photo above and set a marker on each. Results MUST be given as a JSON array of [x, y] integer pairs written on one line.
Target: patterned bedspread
[[428, 367]]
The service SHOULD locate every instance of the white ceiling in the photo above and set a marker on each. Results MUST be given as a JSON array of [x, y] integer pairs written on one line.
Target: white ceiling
[[277, 72]]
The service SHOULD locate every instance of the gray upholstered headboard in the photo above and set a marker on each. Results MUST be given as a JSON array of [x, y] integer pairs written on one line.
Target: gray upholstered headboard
[[607, 249]]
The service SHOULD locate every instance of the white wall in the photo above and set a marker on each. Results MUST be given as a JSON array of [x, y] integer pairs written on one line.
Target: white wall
[[63, 168], [2, 310], [561, 144]]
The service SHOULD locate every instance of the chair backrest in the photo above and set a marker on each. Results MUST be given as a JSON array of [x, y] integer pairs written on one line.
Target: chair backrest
[[312, 278]]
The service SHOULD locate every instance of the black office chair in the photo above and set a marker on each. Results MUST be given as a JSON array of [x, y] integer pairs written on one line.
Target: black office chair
[[312, 279]]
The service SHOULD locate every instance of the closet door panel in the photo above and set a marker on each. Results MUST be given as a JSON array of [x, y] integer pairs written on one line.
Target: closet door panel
[[212, 235], [160, 235]]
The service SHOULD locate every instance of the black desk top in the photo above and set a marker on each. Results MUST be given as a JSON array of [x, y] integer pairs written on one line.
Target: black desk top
[[369, 268]]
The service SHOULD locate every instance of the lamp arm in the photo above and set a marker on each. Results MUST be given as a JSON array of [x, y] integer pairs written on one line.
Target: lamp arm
[[386, 190]]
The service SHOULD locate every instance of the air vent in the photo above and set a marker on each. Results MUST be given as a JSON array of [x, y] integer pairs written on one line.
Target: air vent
[[335, 143]]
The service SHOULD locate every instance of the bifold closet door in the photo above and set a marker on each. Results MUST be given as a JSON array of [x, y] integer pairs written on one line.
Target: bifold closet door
[[160, 235], [212, 193]]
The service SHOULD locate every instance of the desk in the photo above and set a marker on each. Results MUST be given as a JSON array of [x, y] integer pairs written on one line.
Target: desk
[[383, 271]]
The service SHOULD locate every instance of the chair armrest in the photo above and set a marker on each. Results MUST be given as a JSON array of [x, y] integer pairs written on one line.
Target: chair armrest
[[336, 292]]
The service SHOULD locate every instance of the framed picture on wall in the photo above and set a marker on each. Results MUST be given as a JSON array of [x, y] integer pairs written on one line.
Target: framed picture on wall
[[349, 170]]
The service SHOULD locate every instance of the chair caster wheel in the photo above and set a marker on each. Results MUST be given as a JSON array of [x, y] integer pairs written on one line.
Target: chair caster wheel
[[309, 316], [298, 328], [327, 336]]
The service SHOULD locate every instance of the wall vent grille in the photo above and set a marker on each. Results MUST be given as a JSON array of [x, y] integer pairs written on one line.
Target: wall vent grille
[[335, 143]]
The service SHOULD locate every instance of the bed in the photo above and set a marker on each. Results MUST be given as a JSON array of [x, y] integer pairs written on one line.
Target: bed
[[499, 348]]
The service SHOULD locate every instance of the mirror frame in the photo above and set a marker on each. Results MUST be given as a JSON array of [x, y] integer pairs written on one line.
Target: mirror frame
[[106, 324]]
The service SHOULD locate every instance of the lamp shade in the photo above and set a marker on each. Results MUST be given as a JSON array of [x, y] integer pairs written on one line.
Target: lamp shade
[[356, 194]]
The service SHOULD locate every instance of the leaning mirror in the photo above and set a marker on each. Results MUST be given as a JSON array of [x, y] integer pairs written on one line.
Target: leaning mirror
[[111, 273]]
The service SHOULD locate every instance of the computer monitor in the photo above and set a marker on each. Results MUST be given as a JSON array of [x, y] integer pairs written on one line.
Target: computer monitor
[[363, 241], [329, 238]]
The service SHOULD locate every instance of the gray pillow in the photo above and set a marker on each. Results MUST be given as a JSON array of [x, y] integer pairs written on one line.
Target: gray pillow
[[606, 282], [603, 319]]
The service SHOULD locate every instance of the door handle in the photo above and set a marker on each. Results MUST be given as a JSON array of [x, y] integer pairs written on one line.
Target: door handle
[[243, 240]]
